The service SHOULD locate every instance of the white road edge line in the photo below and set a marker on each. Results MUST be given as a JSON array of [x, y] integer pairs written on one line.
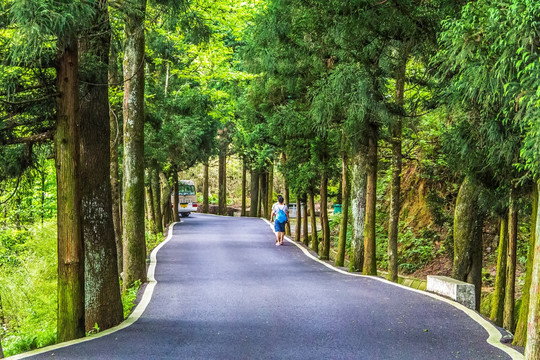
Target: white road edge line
[[134, 316], [494, 334]]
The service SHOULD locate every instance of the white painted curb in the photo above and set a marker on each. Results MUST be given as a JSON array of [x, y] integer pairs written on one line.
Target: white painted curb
[[134, 316], [494, 334]]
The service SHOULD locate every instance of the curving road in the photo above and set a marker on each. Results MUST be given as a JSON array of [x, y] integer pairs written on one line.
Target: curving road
[[225, 291]]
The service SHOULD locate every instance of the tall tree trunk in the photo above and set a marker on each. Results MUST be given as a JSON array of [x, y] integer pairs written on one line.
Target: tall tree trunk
[[165, 199], [287, 201], [324, 217], [222, 193], [532, 349], [70, 323], [298, 229], [370, 259], [254, 200], [304, 218], [270, 190], [205, 188], [467, 236], [509, 296], [497, 299], [264, 195], [156, 200], [244, 181], [103, 305], [345, 188], [115, 139], [520, 335], [176, 197], [358, 208], [133, 161], [260, 194], [149, 202], [395, 203], [314, 237]]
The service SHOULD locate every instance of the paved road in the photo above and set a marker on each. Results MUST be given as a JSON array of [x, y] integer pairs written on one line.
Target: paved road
[[225, 291]]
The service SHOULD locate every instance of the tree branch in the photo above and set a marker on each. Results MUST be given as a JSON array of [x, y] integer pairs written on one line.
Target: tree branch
[[32, 139]]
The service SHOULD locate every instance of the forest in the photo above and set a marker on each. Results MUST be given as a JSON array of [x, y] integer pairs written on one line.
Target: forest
[[420, 119]]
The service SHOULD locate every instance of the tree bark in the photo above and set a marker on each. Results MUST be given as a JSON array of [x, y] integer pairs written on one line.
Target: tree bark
[[205, 189], [370, 259], [287, 201], [497, 299], [511, 259], [156, 200], [314, 237], [115, 140], [395, 192], [358, 208], [254, 200], [165, 199], [103, 305], [298, 229], [270, 191], [520, 335], [70, 323], [532, 349], [149, 202], [222, 193], [176, 197], [264, 195], [260, 194], [244, 180], [467, 237], [345, 187], [324, 217], [134, 246], [304, 219]]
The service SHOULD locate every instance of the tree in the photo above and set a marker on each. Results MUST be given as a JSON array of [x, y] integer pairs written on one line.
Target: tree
[[102, 292], [133, 163]]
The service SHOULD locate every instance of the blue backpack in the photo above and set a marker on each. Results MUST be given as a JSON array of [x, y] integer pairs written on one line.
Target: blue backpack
[[281, 216]]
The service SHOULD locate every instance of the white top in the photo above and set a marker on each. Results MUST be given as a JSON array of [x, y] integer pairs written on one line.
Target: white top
[[277, 206]]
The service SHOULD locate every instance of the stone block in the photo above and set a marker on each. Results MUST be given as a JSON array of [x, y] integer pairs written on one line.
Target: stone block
[[456, 290]]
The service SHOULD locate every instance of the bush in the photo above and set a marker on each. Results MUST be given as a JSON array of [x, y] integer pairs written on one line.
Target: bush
[[28, 287]]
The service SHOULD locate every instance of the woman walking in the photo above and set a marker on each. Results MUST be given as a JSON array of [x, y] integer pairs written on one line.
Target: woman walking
[[280, 216]]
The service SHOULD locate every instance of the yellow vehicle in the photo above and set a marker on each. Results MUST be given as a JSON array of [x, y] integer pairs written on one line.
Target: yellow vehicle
[[187, 198]]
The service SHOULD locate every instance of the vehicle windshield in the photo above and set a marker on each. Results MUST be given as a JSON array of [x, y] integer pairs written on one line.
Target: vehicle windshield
[[184, 189]]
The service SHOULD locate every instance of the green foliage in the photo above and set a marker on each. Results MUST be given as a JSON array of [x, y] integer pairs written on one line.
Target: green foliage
[[129, 296], [28, 287]]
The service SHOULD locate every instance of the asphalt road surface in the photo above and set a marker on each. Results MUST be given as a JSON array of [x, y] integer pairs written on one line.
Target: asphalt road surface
[[225, 291]]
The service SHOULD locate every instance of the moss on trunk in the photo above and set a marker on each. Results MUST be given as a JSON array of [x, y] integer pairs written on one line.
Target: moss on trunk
[[370, 258], [511, 259], [70, 324], [133, 161], [304, 219], [467, 237], [520, 335], [358, 208], [325, 254], [345, 188], [314, 237], [103, 305], [156, 201], [497, 299], [254, 200], [532, 349]]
